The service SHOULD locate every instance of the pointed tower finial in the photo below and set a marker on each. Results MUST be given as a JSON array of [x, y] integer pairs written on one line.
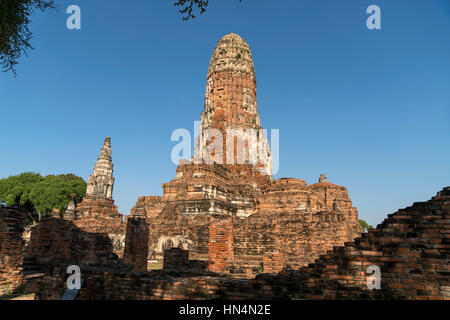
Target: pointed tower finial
[[101, 181]]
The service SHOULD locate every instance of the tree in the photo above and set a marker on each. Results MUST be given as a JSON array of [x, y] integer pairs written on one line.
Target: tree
[[15, 18], [15, 190], [38, 196], [15, 34], [187, 7], [364, 225]]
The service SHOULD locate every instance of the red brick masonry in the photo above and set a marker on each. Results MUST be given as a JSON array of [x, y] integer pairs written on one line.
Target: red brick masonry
[[411, 247], [12, 223]]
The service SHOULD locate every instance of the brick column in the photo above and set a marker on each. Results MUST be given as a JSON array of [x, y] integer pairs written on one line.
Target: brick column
[[136, 243], [12, 224], [221, 244]]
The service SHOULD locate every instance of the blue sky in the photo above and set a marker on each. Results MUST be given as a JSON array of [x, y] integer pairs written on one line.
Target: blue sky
[[370, 108]]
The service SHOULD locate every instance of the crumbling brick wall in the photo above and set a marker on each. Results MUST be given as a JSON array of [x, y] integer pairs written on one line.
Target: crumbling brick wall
[[176, 258], [299, 237], [411, 248], [273, 262], [173, 230], [136, 244], [114, 227], [221, 246], [57, 241], [12, 224]]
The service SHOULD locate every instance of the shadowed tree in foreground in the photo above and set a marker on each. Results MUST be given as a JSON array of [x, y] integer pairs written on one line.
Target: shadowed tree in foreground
[[15, 35], [15, 18], [188, 7]]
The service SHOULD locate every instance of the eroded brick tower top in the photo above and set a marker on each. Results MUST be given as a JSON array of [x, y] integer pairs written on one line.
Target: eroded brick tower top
[[101, 181], [231, 107]]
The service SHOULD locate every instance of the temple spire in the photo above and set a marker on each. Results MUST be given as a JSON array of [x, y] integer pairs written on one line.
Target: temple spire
[[101, 181], [231, 108], [105, 153]]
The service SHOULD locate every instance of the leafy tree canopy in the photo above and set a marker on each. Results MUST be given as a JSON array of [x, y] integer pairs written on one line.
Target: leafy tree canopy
[[15, 34], [38, 195], [364, 225]]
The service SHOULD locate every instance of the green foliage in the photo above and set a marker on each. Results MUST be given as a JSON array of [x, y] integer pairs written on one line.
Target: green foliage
[[15, 34], [364, 225], [38, 195]]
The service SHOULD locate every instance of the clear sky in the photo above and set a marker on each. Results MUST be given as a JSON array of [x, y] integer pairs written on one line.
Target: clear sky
[[370, 108]]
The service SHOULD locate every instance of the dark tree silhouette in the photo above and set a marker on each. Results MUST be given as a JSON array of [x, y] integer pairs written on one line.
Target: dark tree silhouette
[[188, 6], [15, 34], [15, 17]]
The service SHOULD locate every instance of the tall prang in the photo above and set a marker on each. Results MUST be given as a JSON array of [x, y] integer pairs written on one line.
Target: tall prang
[[98, 200], [233, 214], [231, 107], [101, 181]]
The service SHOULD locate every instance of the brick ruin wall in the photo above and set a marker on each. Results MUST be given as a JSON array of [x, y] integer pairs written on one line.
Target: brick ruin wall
[[178, 259], [285, 216], [411, 247], [299, 238], [114, 227], [221, 246], [12, 224], [136, 244], [173, 231], [57, 241]]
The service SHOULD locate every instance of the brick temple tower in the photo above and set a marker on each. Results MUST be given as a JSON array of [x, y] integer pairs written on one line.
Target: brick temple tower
[[101, 181], [231, 108], [236, 215], [98, 199]]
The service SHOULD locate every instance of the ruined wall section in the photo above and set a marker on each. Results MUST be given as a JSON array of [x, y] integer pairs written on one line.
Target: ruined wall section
[[221, 244], [136, 244], [411, 247], [12, 224], [56, 241], [300, 238], [296, 221], [114, 228]]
